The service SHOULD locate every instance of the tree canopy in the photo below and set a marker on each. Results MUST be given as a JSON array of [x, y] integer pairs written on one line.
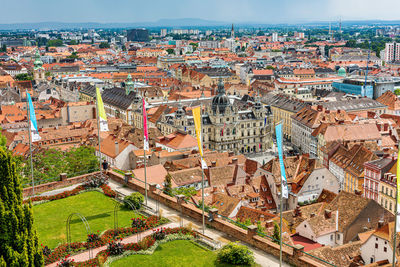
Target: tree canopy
[[18, 238]]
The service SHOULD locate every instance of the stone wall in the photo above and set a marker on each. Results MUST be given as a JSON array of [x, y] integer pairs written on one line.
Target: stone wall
[[62, 182], [292, 255]]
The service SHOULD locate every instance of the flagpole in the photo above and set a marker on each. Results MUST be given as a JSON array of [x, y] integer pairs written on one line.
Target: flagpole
[[281, 210], [98, 132], [30, 142], [202, 171], [144, 147]]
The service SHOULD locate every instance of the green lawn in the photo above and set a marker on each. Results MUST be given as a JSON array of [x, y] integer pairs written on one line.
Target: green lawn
[[50, 218], [172, 254]]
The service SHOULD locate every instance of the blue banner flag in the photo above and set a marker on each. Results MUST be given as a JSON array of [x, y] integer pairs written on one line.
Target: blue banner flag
[[32, 118], [285, 191]]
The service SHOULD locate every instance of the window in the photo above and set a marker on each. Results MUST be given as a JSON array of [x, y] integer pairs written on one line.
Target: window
[[385, 249], [331, 237], [338, 237], [376, 245]]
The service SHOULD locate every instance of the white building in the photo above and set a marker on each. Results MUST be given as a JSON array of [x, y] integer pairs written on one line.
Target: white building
[[274, 37], [378, 246], [392, 52], [322, 229]]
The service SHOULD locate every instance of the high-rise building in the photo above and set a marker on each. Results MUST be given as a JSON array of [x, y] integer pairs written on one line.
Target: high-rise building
[[392, 52], [274, 37], [163, 32], [138, 35]]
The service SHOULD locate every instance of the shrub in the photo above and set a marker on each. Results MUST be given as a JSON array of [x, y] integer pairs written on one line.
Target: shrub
[[138, 223], [234, 253], [115, 248], [65, 262], [136, 199], [95, 181], [46, 251], [93, 238], [159, 234], [146, 242]]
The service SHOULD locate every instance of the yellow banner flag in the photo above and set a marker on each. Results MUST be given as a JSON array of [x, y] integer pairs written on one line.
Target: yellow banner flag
[[197, 125]]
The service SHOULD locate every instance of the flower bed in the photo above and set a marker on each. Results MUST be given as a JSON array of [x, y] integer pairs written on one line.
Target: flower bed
[[107, 237], [146, 246]]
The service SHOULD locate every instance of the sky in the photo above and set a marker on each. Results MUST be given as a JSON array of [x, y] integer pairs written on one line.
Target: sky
[[236, 11]]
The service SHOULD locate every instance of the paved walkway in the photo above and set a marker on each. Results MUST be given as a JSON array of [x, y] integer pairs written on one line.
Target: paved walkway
[[262, 258], [84, 256], [59, 190]]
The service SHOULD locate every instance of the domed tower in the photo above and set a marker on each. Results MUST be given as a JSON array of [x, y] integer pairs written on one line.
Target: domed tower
[[38, 70], [342, 72], [220, 101], [129, 85], [180, 112]]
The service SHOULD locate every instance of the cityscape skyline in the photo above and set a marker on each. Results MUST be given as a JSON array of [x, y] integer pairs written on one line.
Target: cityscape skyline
[[254, 11]]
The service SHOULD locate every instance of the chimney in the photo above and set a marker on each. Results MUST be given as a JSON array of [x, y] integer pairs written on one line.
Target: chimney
[[381, 222], [116, 148], [234, 161], [242, 190], [213, 163], [357, 192], [231, 154], [214, 189], [312, 215], [328, 214]]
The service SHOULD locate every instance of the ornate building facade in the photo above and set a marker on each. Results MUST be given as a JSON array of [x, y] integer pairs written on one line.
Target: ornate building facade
[[226, 125], [38, 70]]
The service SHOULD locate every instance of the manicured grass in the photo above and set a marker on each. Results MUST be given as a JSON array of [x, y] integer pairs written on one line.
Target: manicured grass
[[51, 217], [172, 254]]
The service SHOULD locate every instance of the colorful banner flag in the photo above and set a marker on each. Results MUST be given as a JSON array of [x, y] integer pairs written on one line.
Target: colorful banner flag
[[285, 191], [197, 125], [102, 113], [398, 194], [32, 118], [146, 134]]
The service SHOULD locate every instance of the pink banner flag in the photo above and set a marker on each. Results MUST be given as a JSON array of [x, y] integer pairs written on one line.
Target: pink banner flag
[[146, 135]]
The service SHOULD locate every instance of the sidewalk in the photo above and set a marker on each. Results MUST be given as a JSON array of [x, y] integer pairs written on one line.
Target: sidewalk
[[262, 258], [84, 256]]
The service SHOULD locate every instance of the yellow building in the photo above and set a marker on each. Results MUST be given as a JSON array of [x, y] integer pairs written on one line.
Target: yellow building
[[354, 170], [283, 107], [387, 190]]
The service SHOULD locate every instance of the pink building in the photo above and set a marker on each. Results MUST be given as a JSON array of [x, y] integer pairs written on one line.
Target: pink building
[[373, 173]]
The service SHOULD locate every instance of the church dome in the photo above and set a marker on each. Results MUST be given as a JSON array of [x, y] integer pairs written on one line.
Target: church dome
[[342, 72], [220, 101]]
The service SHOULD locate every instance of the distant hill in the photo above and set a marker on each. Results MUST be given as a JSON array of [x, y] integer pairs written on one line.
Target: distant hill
[[173, 23]]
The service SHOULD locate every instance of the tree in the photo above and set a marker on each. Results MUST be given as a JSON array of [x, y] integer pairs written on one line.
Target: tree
[[236, 254], [49, 164], [3, 140], [73, 42], [3, 48], [23, 77], [168, 184], [18, 238], [187, 192], [73, 55], [397, 92], [104, 45], [55, 42], [277, 233], [170, 51], [136, 199]]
